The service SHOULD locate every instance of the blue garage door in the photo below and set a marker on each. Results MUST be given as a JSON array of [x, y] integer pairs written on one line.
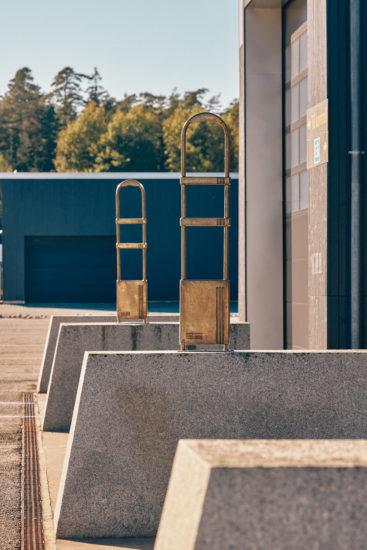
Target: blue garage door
[[70, 269]]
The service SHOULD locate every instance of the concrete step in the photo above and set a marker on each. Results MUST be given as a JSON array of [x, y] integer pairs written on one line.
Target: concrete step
[[133, 407], [53, 449], [77, 338], [53, 332], [277, 494]]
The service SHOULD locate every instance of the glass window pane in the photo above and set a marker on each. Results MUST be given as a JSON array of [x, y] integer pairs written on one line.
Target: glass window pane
[[288, 63], [295, 16], [294, 58], [288, 195], [295, 103], [303, 52], [302, 144], [288, 103], [294, 148], [303, 97], [295, 193], [303, 199], [287, 151]]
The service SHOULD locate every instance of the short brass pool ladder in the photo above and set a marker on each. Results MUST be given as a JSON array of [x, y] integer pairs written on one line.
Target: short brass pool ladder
[[131, 296], [205, 305]]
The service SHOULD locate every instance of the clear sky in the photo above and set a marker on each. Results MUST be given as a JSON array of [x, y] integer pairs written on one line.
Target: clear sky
[[137, 45]]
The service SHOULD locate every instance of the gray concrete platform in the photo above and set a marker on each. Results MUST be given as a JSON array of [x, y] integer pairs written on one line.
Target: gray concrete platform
[[53, 332], [75, 339], [53, 447], [133, 407], [274, 494]]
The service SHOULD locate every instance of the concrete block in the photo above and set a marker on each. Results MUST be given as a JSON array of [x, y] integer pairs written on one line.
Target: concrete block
[[133, 407], [75, 339], [50, 345], [274, 494], [53, 332]]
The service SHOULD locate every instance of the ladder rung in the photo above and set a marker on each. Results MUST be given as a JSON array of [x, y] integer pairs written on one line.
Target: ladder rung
[[131, 245], [122, 221], [205, 222], [207, 180]]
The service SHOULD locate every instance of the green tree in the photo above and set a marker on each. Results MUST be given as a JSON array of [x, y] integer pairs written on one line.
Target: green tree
[[156, 103], [231, 117], [205, 142], [79, 144], [173, 101], [67, 94], [172, 127], [133, 142], [4, 164], [95, 91], [28, 125], [128, 101], [194, 98], [95, 132]]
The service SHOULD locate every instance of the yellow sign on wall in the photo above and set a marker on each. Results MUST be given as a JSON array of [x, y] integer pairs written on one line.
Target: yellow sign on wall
[[317, 135]]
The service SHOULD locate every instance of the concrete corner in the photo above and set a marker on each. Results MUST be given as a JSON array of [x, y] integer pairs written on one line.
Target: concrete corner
[[266, 494], [76, 338], [133, 407]]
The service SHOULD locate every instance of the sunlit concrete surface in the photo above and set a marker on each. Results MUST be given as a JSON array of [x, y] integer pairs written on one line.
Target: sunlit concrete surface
[[133, 407]]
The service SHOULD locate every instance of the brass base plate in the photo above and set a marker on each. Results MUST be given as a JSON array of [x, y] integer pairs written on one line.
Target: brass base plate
[[131, 300], [204, 313]]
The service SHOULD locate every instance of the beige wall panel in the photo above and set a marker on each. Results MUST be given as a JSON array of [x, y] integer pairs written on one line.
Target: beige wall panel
[[263, 29], [297, 280], [317, 61], [297, 333], [317, 324], [317, 231], [318, 181], [241, 189], [298, 245], [264, 177]]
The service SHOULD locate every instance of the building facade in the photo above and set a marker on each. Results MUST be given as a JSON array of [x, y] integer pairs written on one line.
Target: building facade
[[302, 83], [59, 236]]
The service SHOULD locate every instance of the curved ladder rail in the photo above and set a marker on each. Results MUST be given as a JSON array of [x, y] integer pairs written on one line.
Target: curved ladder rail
[[205, 305], [131, 296]]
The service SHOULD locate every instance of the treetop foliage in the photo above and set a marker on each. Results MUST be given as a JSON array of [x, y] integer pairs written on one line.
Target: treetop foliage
[[79, 127]]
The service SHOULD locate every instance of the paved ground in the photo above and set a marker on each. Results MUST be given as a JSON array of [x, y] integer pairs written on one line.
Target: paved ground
[[21, 349], [23, 333], [10, 448], [39, 311]]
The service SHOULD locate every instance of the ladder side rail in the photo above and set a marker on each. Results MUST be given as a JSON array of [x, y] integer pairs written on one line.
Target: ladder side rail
[[131, 221], [205, 117], [183, 232], [118, 257]]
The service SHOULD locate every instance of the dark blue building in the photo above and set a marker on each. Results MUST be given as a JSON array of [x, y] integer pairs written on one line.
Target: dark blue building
[[59, 236]]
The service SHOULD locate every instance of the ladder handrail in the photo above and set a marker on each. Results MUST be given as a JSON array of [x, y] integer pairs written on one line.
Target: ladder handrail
[[205, 116], [225, 221], [142, 220]]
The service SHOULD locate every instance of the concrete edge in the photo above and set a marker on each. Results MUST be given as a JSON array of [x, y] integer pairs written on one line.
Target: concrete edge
[[69, 446], [233, 352], [42, 372], [48, 526]]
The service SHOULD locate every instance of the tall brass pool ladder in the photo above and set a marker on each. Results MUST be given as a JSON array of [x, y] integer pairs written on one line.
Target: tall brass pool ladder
[[205, 305], [131, 296]]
